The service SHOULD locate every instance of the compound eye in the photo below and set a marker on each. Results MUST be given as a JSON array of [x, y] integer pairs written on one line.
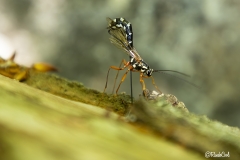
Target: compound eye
[[149, 73]]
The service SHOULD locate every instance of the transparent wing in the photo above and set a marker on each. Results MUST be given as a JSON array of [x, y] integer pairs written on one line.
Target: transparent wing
[[109, 21], [118, 38]]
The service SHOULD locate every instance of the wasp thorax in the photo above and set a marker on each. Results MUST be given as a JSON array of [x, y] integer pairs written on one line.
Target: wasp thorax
[[141, 66], [146, 69]]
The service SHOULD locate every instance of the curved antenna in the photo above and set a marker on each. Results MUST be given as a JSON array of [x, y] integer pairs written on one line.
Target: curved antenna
[[167, 70], [184, 80]]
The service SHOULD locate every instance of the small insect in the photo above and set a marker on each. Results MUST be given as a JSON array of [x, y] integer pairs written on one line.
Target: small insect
[[122, 37], [123, 23]]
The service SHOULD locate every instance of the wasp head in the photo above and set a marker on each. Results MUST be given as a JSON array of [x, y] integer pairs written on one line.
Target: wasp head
[[149, 72]]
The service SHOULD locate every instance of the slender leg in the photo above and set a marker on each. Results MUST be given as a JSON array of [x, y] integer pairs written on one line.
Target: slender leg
[[116, 68], [123, 78], [122, 62], [142, 82], [153, 82]]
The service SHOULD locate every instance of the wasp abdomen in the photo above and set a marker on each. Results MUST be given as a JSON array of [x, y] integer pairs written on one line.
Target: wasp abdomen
[[127, 27]]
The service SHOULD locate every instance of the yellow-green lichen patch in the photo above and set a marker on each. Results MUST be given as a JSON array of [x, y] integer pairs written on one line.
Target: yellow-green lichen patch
[[76, 91]]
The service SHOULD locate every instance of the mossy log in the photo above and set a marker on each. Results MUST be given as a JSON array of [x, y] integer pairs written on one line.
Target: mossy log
[[47, 118]]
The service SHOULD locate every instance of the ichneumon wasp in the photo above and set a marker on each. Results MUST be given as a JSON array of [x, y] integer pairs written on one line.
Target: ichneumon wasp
[[122, 37]]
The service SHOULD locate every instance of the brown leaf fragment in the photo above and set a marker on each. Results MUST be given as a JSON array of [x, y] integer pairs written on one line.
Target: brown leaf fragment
[[43, 67], [21, 76]]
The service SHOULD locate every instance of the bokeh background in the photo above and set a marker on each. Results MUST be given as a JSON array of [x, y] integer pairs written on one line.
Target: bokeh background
[[200, 38]]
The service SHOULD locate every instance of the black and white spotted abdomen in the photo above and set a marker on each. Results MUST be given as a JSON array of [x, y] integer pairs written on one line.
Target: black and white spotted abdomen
[[127, 27]]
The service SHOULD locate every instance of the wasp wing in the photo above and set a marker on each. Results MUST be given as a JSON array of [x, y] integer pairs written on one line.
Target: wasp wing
[[110, 22], [118, 38]]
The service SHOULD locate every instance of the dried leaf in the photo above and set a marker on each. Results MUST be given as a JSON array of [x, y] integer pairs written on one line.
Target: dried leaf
[[44, 67]]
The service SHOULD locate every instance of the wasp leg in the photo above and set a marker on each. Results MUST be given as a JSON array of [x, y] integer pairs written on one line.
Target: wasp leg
[[153, 82], [116, 68], [142, 83], [123, 78], [122, 62]]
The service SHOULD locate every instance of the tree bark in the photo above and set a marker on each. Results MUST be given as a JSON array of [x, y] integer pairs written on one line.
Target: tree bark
[[47, 117]]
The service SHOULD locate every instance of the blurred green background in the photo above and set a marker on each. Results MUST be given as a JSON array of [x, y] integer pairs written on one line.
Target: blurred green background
[[200, 38]]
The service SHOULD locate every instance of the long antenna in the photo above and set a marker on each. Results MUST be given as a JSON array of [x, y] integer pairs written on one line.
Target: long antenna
[[167, 70], [184, 80]]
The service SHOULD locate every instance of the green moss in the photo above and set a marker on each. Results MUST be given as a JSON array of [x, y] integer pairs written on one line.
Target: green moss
[[77, 92]]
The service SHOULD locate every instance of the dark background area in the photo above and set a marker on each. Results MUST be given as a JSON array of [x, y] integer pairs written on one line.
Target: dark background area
[[199, 38]]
